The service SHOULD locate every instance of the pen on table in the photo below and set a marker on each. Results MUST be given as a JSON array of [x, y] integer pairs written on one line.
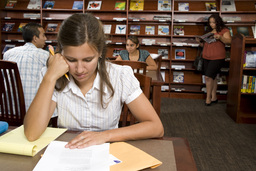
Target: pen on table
[[51, 51]]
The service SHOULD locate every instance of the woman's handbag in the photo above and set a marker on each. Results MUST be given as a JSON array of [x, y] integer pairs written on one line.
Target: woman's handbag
[[198, 63]]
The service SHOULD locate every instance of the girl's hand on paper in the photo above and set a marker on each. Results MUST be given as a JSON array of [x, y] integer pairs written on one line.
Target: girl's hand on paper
[[86, 139], [57, 65]]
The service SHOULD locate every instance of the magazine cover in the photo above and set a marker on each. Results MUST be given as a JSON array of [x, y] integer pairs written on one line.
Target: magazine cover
[[163, 30], [148, 41], [78, 5], [164, 5], [150, 30], [135, 29], [228, 5], [51, 27], [8, 26], [243, 30], [7, 47], [210, 6], [180, 54], [120, 29], [34, 4], [164, 53], [94, 5], [10, 3], [120, 5], [137, 5], [21, 27], [183, 6], [178, 30], [178, 77], [107, 28], [49, 4]]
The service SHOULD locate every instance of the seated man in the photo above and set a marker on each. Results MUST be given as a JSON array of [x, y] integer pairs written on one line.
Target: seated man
[[30, 58]]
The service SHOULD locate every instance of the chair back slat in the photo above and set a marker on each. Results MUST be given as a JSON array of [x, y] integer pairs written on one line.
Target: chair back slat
[[12, 103], [126, 116]]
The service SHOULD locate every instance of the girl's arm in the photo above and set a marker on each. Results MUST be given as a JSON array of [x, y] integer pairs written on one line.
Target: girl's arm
[[226, 38], [42, 107], [149, 126], [151, 63]]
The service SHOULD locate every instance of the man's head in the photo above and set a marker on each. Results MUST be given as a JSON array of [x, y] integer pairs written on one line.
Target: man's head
[[34, 33]]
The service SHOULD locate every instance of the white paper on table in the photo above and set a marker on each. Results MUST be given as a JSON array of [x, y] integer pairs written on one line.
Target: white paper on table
[[57, 157]]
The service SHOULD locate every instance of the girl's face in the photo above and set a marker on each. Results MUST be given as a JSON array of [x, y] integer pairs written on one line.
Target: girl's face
[[212, 23], [130, 46], [82, 61]]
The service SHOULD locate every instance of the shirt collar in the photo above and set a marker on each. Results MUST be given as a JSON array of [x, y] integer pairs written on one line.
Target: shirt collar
[[75, 89], [30, 44]]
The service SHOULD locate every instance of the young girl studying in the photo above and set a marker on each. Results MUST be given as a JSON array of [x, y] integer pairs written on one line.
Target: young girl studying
[[93, 98]]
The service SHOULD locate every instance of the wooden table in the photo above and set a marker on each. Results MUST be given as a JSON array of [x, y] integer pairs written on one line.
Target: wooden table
[[157, 82], [154, 147]]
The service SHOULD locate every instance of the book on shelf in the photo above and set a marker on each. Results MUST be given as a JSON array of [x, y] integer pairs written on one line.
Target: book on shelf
[[148, 41], [10, 3], [20, 29], [120, 5], [164, 5], [34, 4], [221, 79], [8, 26], [116, 52], [120, 29], [250, 59], [228, 5], [7, 47], [107, 28], [150, 30], [243, 30], [231, 31], [135, 29], [78, 5], [254, 31], [51, 27], [136, 5], [183, 6], [180, 54], [208, 37], [163, 30], [49, 4], [210, 6], [248, 84], [178, 30], [164, 53], [94, 5], [178, 77]]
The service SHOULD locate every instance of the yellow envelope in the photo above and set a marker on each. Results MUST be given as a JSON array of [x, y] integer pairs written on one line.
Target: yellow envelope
[[132, 158]]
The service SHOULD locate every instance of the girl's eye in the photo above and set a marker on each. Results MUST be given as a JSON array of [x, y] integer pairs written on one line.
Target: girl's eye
[[87, 60], [71, 60]]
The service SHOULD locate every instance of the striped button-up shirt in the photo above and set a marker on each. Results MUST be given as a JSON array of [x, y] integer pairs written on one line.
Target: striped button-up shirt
[[30, 61], [85, 112]]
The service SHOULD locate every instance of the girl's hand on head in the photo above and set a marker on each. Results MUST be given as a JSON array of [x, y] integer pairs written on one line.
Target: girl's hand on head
[[57, 66], [86, 139]]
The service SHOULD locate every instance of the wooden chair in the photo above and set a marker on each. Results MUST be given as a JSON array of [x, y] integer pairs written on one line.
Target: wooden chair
[[136, 65], [158, 60], [126, 117], [12, 103]]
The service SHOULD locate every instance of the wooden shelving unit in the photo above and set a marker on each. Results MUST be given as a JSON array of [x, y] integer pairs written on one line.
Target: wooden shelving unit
[[192, 20], [240, 106]]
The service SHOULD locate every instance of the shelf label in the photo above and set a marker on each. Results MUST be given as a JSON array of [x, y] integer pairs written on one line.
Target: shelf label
[[48, 18], [182, 21], [179, 90], [230, 21], [119, 43], [20, 40], [7, 40], [33, 18], [7, 18], [162, 20], [163, 44], [148, 44], [48, 41], [136, 20]]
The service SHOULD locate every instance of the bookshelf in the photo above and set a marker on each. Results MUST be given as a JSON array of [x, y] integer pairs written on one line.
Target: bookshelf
[[192, 21], [240, 106]]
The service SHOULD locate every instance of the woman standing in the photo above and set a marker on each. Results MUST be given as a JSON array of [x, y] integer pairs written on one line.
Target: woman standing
[[214, 55], [133, 53]]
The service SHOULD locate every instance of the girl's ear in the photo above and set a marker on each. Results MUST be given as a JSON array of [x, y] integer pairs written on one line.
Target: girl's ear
[[137, 46]]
